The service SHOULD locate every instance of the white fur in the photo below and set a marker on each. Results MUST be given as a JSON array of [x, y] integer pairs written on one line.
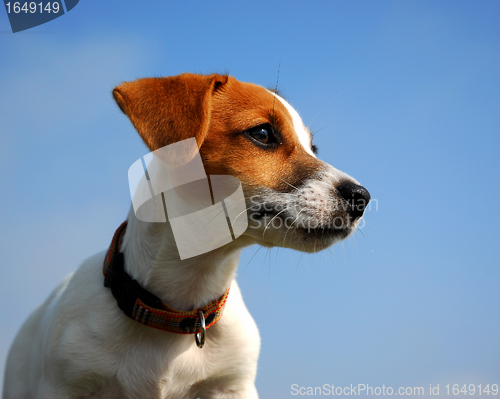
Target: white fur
[[302, 133], [79, 344], [314, 204]]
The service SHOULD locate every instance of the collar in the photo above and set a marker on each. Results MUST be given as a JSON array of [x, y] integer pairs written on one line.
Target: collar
[[146, 308]]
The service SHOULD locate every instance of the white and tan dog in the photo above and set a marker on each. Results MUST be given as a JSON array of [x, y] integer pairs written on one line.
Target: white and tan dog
[[79, 344]]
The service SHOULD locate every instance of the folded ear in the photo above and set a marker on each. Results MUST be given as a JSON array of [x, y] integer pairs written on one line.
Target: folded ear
[[167, 110]]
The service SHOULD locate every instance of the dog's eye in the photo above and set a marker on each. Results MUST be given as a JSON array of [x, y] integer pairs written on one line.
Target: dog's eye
[[262, 133]]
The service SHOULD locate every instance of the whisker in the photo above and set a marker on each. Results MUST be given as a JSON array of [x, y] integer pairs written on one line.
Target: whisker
[[276, 257], [253, 256], [284, 238], [272, 221], [297, 266], [291, 185], [323, 108]]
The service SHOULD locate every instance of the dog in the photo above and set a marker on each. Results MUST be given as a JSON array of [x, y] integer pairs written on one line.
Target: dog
[[82, 343]]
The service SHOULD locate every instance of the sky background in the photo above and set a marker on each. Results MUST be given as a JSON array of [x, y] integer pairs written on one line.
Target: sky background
[[402, 95]]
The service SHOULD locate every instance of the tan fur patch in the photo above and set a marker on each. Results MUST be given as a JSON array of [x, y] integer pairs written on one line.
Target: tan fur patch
[[217, 110]]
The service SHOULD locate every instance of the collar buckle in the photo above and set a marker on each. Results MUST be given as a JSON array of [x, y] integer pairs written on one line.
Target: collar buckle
[[201, 340]]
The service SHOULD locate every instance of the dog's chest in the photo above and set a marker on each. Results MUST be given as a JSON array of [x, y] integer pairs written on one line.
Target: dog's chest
[[176, 371], [182, 373]]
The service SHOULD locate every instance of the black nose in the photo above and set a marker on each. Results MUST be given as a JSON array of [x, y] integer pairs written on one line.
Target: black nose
[[356, 196]]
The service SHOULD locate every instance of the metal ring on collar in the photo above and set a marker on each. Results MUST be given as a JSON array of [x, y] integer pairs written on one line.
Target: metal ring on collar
[[201, 340]]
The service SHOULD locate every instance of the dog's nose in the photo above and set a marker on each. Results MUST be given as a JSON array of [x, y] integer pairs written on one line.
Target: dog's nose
[[356, 196]]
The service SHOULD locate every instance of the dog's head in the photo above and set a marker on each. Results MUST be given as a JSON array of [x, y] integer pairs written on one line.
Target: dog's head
[[293, 199]]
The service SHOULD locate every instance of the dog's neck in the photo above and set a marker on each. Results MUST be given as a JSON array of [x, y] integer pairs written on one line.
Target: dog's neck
[[152, 259]]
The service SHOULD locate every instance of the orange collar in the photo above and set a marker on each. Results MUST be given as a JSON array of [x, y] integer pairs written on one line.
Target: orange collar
[[146, 308]]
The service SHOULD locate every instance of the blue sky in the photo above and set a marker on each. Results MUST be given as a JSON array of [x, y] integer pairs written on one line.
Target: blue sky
[[402, 95]]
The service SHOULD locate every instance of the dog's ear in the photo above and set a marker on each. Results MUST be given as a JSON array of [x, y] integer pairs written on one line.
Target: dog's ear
[[167, 110]]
